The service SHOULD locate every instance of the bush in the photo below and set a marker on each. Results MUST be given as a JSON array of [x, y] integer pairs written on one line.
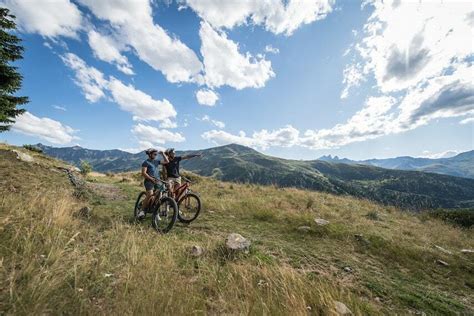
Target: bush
[[33, 148], [85, 167], [459, 217], [373, 215]]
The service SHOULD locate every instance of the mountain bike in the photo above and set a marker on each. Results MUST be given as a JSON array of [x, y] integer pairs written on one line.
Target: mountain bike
[[163, 208], [189, 202]]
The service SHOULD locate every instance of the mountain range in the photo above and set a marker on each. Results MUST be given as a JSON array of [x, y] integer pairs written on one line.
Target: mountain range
[[461, 165], [408, 189]]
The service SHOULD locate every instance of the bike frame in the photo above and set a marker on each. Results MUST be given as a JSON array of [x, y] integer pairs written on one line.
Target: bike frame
[[158, 193], [181, 191]]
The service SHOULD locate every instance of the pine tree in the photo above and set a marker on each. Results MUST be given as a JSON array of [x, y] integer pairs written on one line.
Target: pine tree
[[10, 79]]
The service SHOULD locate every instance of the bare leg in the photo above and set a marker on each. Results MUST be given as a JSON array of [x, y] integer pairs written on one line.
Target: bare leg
[[147, 200]]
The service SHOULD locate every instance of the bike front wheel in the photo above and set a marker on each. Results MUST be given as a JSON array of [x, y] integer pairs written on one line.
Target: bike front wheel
[[189, 208], [138, 204], [165, 213]]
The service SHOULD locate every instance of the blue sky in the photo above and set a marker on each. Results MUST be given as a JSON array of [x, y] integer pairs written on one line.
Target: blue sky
[[298, 79]]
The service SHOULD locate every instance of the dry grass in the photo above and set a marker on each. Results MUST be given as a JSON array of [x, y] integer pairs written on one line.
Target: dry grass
[[55, 262]]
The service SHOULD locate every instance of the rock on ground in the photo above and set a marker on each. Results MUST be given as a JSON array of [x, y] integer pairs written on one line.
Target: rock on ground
[[443, 250], [321, 222], [23, 156], [304, 228], [341, 308], [237, 242], [196, 251]]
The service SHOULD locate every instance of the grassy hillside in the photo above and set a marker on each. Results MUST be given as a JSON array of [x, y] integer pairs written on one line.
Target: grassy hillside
[[373, 258], [237, 163]]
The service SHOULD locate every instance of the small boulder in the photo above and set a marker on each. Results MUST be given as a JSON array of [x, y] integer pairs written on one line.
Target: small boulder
[[347, 269], [443, 250], [237, 242], [304, 228], [23, 156], [196, 251], [341, 308], [321, 222]]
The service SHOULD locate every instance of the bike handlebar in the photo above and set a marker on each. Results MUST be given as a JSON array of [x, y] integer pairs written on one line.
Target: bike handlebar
[[186, 179], [159, 180]]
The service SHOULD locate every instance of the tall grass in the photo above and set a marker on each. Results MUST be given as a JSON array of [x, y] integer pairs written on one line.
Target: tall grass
[[55, 262]]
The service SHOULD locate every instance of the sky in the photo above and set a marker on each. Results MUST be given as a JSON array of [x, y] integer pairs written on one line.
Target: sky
[[295, 78]]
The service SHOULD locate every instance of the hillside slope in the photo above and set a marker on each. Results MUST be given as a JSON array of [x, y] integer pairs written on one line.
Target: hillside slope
[[237, 163], [372, 258]]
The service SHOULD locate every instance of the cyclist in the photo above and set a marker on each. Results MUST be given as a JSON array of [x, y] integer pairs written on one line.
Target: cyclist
[[149, 173], [172, 167]]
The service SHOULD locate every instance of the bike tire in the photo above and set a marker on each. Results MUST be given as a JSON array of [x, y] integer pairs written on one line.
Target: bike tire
[[137, 203], [173, 216], [198, 200]]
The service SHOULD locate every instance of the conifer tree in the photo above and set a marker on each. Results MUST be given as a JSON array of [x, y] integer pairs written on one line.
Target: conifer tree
[[10, 78]]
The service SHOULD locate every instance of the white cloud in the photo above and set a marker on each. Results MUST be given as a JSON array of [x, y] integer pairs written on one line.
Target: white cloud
[[224, 65], [283, 137], [133, 25], [443, 154], [287, 136], [141, 105], [353, 76], [167, 123], [279, 17], [108, 49], [373, 120], [271, 49], [445, 96], [402, 55], [89, 79], [149, 136], [426, 64], [222, 138], [451, 95], [44, 128], [94, 86], [467, 120], [216, 123], [207, 97], [60, 108], [47, 18]]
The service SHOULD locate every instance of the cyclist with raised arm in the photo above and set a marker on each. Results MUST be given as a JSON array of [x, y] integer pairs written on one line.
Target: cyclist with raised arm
[[172, 167], [149, 173]]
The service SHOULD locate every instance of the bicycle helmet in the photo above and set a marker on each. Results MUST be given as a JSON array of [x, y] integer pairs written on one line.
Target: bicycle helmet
[[149, 151]]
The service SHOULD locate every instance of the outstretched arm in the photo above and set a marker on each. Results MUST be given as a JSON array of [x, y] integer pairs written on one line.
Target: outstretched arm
[[191, 156]]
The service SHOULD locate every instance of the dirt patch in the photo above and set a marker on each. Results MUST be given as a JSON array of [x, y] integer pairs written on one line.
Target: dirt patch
[[107, 191]]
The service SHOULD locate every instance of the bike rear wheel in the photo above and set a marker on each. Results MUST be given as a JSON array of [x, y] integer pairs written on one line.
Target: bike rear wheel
[[138, 204], [189, 208], [165, 213]]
